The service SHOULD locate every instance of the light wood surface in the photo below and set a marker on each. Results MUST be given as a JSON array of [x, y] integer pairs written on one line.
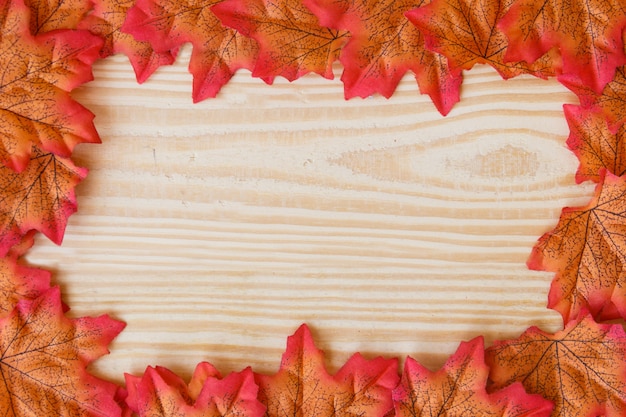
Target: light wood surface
[[214, 230]]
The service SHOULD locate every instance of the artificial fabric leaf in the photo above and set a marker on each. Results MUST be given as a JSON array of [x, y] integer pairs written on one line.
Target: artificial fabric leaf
[[466, 32], [291, 41], [588, 34], [106, 21], [303, 387], [48, 15], [459, 389], [160, 392], [217, 52], [366, 386], [611, 102], [587, 251], [383, 46], [582, 368], [594, 144], [37, 76], [41, 197], [43, 360], [19, 282]]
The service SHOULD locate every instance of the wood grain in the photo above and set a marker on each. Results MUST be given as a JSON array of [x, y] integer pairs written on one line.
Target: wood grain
[[214, 230]]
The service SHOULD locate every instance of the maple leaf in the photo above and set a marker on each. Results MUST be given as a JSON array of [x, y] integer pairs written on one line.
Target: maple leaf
[[106, 21], [217, 51], [48, 15], [611, 102], [459, 389], [302, 386], [587, 250], [594, 144], [587, 33], [466, 32], [580, 368], [37, 76], [291, 41], [383, 46], [43, 360], [160, 392], [41, 197], [19, 282]]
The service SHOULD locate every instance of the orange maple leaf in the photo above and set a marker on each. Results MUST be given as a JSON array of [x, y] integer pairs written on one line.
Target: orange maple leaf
[[383, 46], [459, 389], [106, 21], [37, 76], [291, 41], [19, 282], [594, 144], [160, 392], [580, 368], [466, 32], [611, 102], [41, 197], [588, 34], [43, 360], [48, 15], [217, 52], [302, 386], [587, 250]]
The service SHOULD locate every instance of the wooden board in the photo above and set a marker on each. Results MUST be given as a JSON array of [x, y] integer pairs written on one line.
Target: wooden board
[[214, 230]]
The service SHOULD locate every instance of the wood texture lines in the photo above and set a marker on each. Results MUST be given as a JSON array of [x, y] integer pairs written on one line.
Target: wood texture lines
[[214, 230]]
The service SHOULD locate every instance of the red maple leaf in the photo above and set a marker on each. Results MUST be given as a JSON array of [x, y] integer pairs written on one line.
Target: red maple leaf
[[383, 46], [459, 389], [611, 102], [291, 41], [106, 21], [466, 32], [217, 52], [41, 197], [587, 251], [581, 368], [302, 386], [160, 392], [37, 75], [43, 360], [594, 144], [19, 282], [588, 34]]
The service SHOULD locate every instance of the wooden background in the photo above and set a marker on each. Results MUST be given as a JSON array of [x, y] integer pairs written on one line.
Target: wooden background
[[214, 230]]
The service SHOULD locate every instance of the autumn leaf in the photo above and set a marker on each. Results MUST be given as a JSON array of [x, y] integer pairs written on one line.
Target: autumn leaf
[[217, 52], [588, 34], [303, 387], [37, 76], [459, 389], [43, 360], [17, 281], [383, 45], [611, 102], [291, 41], [48, 15], [594, 144], [160, 392], [580, 368], [466, 32], [587, 251], [106, 21], [41, 198]]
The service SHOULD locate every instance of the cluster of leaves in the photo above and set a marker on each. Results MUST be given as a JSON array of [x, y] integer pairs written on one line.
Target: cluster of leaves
[[47, 49], [579, 371]]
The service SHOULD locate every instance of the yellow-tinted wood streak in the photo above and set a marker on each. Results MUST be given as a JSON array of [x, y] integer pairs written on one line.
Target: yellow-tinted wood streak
[[214, 230]]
